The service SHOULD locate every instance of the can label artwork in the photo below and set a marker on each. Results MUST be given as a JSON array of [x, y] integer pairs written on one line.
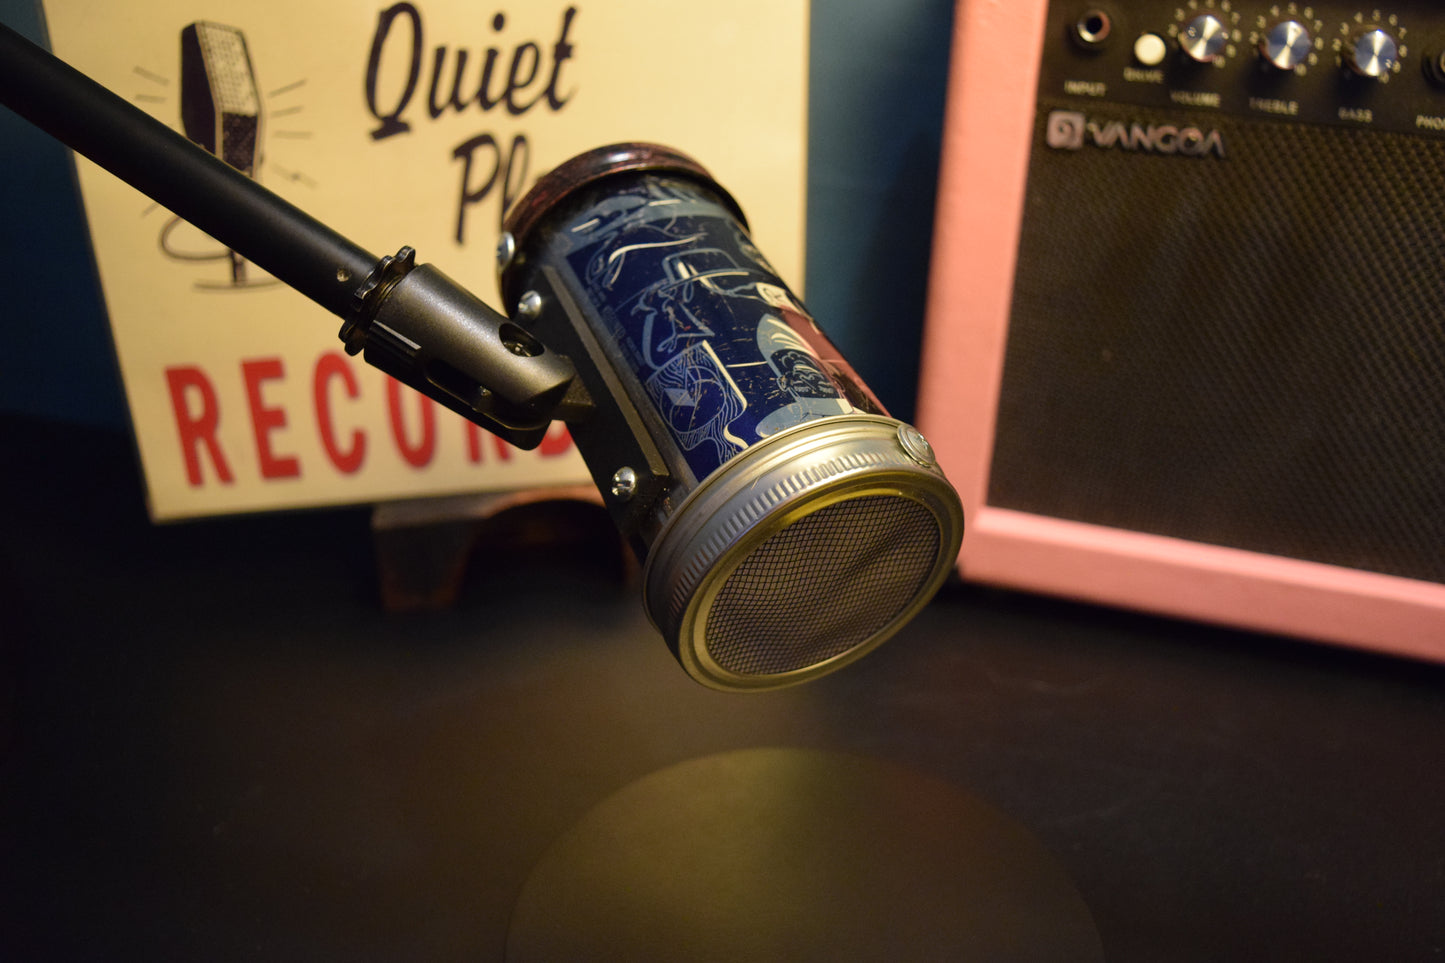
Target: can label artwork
[[724, 351]]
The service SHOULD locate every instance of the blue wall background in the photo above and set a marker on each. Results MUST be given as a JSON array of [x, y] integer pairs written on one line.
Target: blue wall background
[[877, 81]]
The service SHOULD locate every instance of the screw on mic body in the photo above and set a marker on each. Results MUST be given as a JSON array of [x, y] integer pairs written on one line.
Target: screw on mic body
[[624, 483], [529, 305]]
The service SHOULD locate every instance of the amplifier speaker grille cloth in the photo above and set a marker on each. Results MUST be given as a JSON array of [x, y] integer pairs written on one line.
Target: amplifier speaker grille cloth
[[826, 583], [1246, 351]]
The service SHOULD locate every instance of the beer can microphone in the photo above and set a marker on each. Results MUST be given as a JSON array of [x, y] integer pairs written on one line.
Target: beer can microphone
[[788, 525]]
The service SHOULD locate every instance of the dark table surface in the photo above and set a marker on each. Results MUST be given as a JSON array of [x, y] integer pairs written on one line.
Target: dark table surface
[[215, 745]]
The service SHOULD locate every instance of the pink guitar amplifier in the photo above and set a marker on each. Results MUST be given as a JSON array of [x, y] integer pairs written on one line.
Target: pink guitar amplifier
[[1185, 346]]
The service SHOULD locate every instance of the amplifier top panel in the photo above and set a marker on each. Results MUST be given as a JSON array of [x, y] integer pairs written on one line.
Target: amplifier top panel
[[1347, 64]]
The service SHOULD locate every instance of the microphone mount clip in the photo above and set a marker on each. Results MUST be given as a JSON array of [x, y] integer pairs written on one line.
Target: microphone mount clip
[[425, 330]]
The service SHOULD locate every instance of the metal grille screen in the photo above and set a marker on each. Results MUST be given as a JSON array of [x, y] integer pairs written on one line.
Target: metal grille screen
[[823, 585], [1247, 351]]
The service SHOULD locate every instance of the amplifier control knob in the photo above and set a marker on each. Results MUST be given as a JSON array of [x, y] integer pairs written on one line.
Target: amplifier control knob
[[1285, 44], [1371, 52], [1150, 49], [1204, 38]]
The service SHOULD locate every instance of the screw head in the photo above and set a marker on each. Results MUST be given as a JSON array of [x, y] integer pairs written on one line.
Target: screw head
[[529, 305], [917, 446], [506, 250], [624, 483]]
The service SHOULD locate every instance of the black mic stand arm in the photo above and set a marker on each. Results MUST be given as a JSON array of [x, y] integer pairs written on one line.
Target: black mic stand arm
[[409, 320]]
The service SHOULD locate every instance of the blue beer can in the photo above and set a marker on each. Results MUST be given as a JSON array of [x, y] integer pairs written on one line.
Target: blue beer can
[[787, 524]]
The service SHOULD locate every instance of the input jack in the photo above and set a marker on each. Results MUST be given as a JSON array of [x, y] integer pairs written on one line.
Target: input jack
[[1434, 64], [1092, 29]]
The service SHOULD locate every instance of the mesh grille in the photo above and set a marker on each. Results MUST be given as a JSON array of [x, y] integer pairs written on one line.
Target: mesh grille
[[1244, 352], [823, 585], [232, 84]]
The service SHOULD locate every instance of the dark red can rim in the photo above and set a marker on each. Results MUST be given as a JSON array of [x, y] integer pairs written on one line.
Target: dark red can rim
[[595, 165]]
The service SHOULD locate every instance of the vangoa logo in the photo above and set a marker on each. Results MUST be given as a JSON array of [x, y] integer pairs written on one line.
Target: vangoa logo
[[1071, 130], [1065, 130]]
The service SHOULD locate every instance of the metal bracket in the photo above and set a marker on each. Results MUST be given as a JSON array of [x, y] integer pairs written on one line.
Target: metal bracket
[[613, 434], [425, 330]]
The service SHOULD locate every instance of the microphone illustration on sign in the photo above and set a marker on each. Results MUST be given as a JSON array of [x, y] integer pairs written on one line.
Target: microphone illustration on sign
[[220, 106], [787, 524], [222, 110]]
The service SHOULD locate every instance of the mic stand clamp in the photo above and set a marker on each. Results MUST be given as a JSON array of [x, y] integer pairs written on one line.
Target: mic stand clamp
[[422, 328]]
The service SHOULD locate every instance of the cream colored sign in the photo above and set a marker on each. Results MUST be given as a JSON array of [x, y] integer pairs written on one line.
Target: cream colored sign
[[410, 123]]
